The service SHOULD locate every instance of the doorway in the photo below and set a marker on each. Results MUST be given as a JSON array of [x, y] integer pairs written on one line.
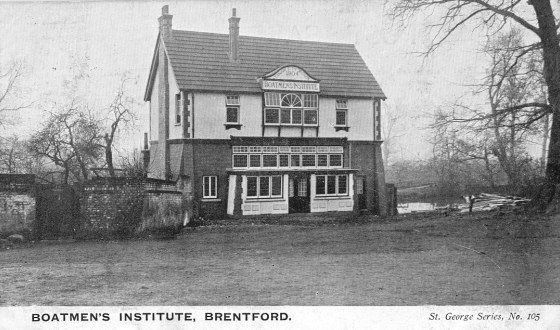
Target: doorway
[[361, 192], [299, 193]]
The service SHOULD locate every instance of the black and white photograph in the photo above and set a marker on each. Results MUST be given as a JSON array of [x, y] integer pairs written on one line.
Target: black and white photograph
[[282, 164]]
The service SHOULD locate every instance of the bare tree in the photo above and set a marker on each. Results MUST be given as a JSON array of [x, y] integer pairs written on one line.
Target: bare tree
[[70, 138], [391, 119], [132, 164], [492, 134], [15, 157], [535, 16], [9, 79], [120, 115]]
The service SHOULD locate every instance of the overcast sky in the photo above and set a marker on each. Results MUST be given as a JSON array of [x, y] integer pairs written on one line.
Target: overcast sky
[[104, 40]]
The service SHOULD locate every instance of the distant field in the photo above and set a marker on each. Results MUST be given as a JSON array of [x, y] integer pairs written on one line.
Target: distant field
[[418, 260]]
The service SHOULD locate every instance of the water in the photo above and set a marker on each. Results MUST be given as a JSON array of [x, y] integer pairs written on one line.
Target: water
[[404, 208]]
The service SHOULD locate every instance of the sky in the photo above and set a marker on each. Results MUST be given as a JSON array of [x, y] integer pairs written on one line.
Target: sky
[[102, 41]]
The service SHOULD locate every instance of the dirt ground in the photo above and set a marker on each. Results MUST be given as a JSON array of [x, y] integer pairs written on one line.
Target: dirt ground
[[415, 260]]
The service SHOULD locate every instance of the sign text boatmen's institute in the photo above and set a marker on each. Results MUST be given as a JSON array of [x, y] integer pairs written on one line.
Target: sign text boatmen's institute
[[290, 86]]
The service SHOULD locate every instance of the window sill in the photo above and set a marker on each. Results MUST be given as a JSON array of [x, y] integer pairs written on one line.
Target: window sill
[[332, 197], [231, 125], [341, 128], [177, 124], [256, 199], [210, 200], [291, 125]]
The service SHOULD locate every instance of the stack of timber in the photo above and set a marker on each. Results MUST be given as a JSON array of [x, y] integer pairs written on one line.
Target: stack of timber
[[490, 202]]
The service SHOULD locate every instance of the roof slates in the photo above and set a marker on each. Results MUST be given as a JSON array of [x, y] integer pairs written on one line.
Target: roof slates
[[200, 62]]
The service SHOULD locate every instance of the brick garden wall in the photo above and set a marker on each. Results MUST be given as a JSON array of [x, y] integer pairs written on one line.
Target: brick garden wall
[[17, 211], [17, 204], [127, 207]]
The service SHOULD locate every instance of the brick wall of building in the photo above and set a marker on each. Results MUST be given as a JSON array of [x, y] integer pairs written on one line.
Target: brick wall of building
[[366, 156], [211, 159]]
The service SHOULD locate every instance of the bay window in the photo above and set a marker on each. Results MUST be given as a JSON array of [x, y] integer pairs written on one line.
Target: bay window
[[254, 157], [331, 185], [264, 186]]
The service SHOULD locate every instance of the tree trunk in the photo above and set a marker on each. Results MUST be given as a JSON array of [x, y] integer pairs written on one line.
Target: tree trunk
[[109, 155], [109, 160], [551, 69], [66, 174], [544, 143], [83, 167]]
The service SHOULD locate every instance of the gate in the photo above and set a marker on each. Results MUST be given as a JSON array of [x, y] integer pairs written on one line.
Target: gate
[[57, 211]]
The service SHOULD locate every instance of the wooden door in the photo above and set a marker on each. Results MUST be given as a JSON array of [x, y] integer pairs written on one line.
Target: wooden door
[[299, 194], [361, 192]]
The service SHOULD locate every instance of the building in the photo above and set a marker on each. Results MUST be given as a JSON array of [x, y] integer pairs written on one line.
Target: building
[[251, 125]]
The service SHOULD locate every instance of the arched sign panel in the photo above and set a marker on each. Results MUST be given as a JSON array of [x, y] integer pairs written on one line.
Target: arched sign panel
[[291, 78]]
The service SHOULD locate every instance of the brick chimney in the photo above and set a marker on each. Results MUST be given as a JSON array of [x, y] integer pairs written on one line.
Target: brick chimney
[[165, 23], [234, 37]]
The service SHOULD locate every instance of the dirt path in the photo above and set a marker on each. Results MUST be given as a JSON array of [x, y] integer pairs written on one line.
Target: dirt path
[[485, 259]]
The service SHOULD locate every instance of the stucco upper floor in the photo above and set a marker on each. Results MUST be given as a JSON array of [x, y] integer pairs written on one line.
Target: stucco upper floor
[[203, 115]]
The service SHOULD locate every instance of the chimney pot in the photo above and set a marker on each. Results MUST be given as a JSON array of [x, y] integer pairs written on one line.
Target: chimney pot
[[165, 27]]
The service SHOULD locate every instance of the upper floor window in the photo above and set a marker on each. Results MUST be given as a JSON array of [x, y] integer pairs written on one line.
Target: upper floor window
[[178, 107], [232, 109], [341, 112], [310, 100], [272, 99], [291, 101], [291, 109]]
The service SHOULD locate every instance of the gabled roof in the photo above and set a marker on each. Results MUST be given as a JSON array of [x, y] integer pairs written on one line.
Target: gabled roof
[[200, 61]]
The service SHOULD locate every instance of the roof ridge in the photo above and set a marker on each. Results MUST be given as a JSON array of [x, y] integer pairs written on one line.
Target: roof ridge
[[269, 38]]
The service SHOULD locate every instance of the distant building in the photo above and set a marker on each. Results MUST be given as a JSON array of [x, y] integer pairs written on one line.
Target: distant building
[[264, 126]]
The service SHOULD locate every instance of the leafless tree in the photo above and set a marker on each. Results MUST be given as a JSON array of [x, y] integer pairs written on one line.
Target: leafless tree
[[9, 79], [70, 138], [391, 118], [120, 116], [493, 134], [535, 16], [15, 157], [132, 164]]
